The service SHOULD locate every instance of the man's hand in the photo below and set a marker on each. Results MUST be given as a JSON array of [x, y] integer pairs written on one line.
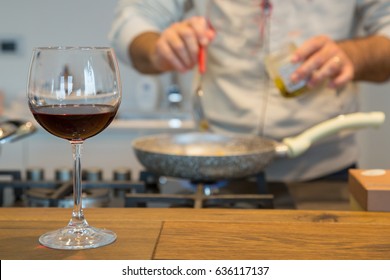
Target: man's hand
[[322, 60], [175, 49], [178, 46]]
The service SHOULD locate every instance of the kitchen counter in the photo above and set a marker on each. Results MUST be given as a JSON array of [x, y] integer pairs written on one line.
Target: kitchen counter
[[204, 234]]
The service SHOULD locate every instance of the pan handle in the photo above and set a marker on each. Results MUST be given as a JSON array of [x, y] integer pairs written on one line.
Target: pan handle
[[300, 143]]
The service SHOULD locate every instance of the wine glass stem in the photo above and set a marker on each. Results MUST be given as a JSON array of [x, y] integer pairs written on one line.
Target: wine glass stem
[[77, 214]]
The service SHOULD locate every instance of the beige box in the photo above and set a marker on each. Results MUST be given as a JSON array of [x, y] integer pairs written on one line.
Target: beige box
[[369, 189]]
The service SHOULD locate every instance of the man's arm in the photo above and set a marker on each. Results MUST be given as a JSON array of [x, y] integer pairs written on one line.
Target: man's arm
[[370, 57], [175, 49], [142, 50]]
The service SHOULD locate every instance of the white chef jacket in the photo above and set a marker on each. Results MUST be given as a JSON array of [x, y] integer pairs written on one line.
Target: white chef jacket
[[235, 82]]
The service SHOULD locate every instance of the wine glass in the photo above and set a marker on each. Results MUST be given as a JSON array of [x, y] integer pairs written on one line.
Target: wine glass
[[74, 93]]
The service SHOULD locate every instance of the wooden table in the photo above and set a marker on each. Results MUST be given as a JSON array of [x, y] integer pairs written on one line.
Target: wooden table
[[188, 234]]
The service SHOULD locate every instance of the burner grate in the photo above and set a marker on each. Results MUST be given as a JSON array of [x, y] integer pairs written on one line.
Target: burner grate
[[209, 195], [55, 193], [150, 190], [201, 200]]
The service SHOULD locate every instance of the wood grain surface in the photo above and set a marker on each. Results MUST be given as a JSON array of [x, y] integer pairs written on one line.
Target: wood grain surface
[[270, 240], [181, 233]]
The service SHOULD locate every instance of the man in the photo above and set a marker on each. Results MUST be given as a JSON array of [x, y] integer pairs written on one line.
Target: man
[[339, 43]]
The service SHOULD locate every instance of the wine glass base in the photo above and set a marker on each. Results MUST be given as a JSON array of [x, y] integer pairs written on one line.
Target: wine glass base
[[77, 238]]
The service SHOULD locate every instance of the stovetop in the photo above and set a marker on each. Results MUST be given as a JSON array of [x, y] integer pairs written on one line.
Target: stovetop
[[148, 190]]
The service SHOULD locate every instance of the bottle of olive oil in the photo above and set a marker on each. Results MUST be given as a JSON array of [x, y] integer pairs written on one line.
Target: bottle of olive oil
[[280, 68]]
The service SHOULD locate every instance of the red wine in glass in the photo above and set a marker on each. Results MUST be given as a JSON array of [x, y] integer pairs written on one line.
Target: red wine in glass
[[75, 122]]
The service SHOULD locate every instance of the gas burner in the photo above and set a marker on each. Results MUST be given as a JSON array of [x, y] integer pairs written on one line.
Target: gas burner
[[244, 193], [150, 190], [40, 197], [58, 193]]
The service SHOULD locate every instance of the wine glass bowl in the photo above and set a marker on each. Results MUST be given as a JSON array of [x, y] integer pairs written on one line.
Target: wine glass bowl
[[74, 93]]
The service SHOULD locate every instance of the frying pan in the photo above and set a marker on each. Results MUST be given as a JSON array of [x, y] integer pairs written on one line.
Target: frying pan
[[12, 130], [206, 156]]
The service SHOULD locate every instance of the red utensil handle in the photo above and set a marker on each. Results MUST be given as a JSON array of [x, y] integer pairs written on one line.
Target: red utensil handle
[[202, 59]]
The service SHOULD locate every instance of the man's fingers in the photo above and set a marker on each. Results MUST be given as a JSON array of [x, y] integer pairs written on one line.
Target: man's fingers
[[191, 45], [342, 79], [177, 38], [178, 45], [329, 70], [203, 31], [320, 60], [308, 48], [167, 58]]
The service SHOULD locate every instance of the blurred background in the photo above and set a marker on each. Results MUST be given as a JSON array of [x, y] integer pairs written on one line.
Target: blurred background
[[151, 104]]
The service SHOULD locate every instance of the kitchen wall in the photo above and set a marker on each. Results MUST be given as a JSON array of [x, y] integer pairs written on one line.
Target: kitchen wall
[[374, 143], [87, 22], [71, 22], [57, 22]]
